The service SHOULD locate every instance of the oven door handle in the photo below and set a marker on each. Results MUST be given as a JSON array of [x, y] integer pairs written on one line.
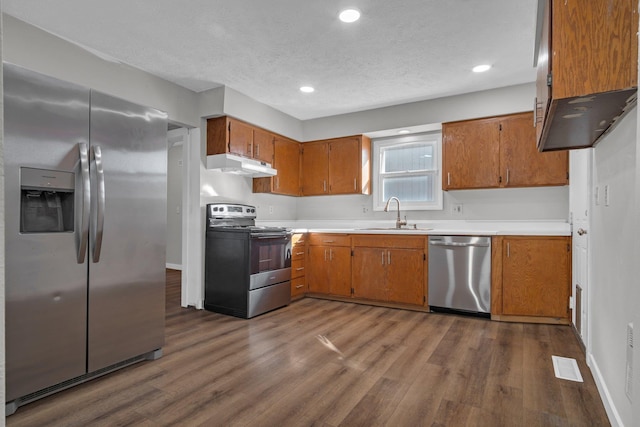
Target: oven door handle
[[270, 236]]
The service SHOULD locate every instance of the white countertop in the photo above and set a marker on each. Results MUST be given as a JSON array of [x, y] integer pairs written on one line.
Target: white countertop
[[462, 227]]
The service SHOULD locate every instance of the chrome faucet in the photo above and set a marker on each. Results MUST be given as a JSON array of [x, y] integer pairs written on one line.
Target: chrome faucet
[[399, 222]]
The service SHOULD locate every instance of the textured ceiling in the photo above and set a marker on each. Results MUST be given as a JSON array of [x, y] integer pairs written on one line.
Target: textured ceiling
[[399, 51]]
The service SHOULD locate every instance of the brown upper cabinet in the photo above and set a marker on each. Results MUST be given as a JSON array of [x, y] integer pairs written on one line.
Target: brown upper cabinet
[[286, 160], [587, 70], [336, 166], [498, 152], [228, 135]]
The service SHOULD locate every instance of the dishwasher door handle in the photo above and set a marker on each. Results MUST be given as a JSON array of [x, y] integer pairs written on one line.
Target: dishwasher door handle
[[459, 245]]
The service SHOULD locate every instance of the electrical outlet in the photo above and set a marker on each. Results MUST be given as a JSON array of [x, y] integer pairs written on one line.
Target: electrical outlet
[[270, 210], [456, 208], [365, 209], [607, 195]]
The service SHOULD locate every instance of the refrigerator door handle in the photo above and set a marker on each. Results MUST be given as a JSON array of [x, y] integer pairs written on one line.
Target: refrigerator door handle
[[86, 201], [99, 225]]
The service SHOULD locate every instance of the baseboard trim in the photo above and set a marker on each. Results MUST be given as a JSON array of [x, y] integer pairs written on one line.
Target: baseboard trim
[[605, 396], [174, 266]]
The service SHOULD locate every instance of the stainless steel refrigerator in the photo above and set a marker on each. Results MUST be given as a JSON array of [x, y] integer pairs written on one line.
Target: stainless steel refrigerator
[[85, 223]]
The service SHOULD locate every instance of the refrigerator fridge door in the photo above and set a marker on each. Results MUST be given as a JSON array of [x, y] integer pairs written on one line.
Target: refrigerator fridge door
[[128, 230], [45, 135]]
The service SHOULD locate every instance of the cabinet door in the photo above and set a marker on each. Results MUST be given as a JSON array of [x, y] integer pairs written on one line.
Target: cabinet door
[[315, 168], [471, 154], [536, 277], [339, 270], [263, 146], [344, 166], [522, 164], [287, 163], [368, 273], [240, 138], [405, 275], [317, 269]]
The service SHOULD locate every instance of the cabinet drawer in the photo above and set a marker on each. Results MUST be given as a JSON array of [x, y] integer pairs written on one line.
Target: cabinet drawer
[[389, 241], [298, 239], [297, 267], [322, 239], [297, 286], [297, 252]]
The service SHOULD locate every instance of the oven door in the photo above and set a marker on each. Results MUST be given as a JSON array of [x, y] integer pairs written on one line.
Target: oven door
[[270, 259]]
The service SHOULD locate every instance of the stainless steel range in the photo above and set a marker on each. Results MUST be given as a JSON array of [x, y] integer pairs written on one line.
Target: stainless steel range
[[247, 267]]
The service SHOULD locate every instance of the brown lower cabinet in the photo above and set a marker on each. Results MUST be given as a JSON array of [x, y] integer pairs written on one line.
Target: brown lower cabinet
[[531, 278], [298, 263], [389, 268], [329, 266]]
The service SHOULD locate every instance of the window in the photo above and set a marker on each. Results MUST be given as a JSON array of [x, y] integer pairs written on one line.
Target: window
[[408, 168]]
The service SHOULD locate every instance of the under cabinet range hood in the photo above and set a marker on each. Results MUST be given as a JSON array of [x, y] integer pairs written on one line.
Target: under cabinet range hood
[[231, 163]]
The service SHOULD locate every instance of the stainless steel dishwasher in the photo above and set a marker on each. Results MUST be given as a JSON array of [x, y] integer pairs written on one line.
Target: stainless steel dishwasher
[[460, 274]]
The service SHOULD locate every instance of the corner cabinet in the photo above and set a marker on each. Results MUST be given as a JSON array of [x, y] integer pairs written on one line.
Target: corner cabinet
[[498, 152], [587, 70], [228, 135], [389, 268], [286, 160], [531, 278], [336, 166]]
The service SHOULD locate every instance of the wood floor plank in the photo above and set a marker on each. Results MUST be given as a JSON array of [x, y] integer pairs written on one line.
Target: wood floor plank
[[392, 367]]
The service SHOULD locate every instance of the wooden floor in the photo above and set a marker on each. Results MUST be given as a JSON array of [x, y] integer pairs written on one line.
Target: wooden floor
[[389, 367]]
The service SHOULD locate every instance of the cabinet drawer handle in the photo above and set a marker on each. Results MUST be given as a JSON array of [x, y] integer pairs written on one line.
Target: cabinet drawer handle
[[382, 253], [324, 185], [299, 253], [299, 286], [389, 257], [257, 150], [507, 175], [299, 268], [328, 241], [355, 184], [508, 250], [448, 178]]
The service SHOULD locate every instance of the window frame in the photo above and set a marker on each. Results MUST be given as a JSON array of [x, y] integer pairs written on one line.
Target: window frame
[[378, 146]]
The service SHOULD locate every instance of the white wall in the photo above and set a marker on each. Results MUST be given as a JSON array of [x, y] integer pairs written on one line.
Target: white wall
[[2, 348], [615, 272], [486, 103], [545, 203], [174, 206]]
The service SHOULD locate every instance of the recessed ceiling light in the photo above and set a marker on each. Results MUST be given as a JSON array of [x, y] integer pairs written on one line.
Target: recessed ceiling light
[[404, 131], [481, 68], [349, 15], [306, 89]]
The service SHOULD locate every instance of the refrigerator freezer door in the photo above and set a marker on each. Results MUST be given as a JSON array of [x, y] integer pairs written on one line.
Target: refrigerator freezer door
[[46, 122], [127, 284]]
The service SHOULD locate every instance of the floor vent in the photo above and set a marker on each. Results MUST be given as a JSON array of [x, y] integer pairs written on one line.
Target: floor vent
[[628, 383], [566, 368]]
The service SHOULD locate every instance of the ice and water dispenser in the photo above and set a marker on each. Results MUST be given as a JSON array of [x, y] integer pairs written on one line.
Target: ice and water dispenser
[[46, 200]]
